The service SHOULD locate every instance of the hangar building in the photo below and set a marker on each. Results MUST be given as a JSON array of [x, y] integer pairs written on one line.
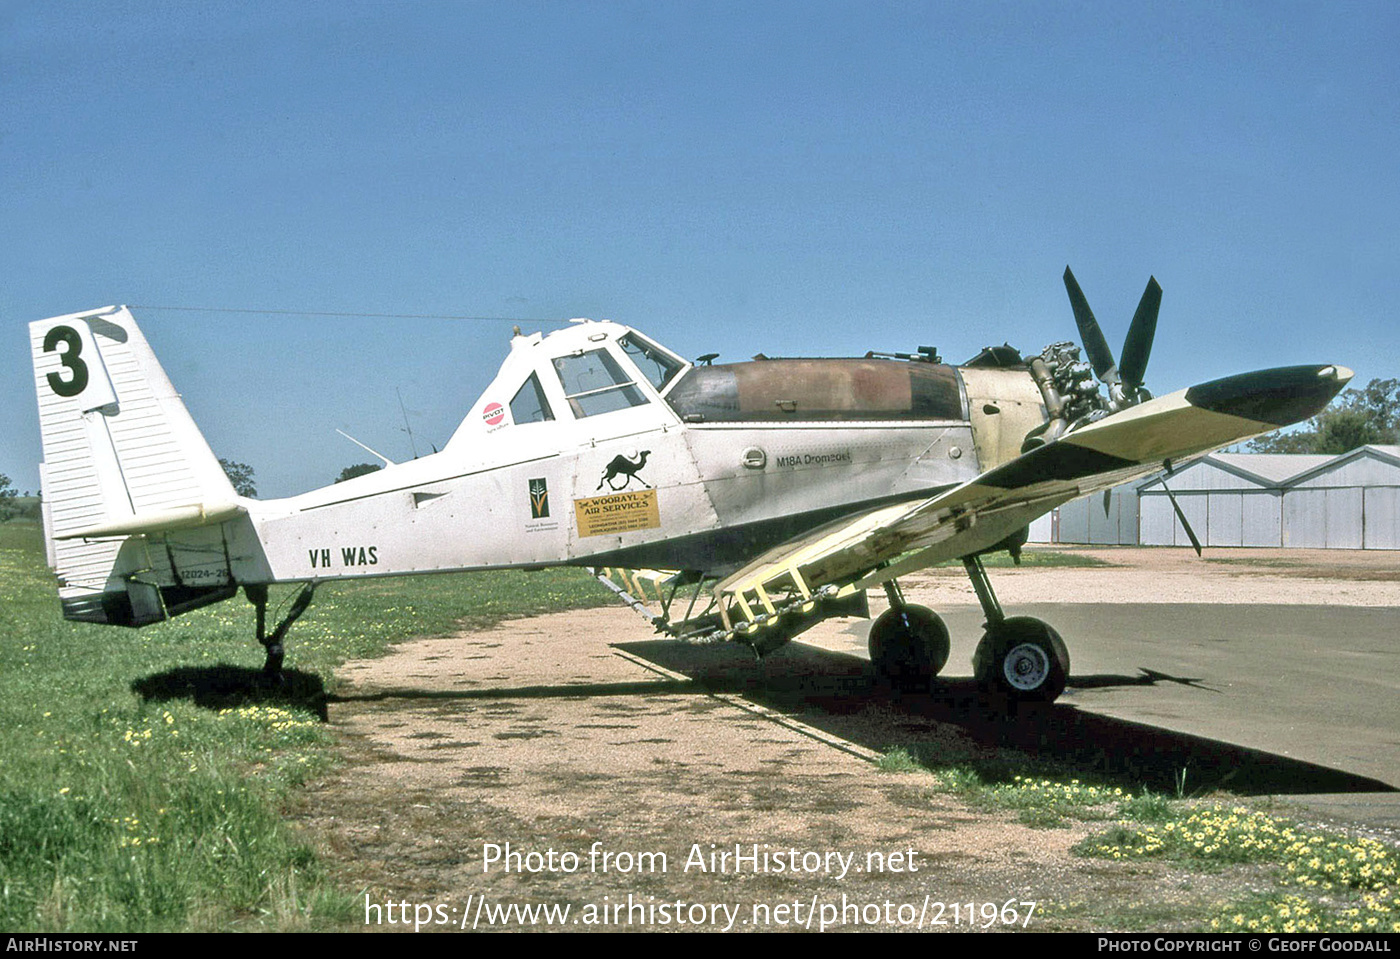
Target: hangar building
[[1348, 501]]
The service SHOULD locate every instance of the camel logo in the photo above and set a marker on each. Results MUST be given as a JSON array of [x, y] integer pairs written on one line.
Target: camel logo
[[539, 499], [627, 465]]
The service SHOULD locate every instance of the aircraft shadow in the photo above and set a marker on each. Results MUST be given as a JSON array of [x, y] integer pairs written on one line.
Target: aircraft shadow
[[956, 724], [223, 686]]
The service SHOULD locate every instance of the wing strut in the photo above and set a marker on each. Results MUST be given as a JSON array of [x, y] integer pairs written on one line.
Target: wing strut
[[1190, 533]]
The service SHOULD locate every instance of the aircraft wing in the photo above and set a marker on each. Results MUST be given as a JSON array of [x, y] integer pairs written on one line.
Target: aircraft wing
[[882, 544]]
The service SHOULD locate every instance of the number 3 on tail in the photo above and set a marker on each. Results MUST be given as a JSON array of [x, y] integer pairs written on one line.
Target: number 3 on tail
[[69, 358]]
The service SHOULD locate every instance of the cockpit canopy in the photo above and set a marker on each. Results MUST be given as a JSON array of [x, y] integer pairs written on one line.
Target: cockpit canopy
[[587, 370], [595, 382]]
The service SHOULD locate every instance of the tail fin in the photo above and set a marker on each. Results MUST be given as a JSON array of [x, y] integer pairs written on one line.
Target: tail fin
[[123, 461]]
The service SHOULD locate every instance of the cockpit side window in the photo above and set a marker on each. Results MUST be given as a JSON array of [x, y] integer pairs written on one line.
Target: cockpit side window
[[594, 383], [529, 404], [657, 366]]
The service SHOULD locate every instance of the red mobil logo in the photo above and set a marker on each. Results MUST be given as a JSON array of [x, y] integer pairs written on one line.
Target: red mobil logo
[[494, 414]]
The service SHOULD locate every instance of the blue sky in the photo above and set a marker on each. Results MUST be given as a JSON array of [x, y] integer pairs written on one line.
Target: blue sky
[[798, 178]]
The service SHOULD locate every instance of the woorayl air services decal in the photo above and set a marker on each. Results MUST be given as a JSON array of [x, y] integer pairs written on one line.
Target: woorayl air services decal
[[617, 513]]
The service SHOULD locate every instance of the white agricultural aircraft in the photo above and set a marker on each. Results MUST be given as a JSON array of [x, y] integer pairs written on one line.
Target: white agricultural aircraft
[[743, 501]]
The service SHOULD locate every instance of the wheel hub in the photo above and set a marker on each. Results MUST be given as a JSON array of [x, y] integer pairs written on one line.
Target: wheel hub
[[1026, 667]]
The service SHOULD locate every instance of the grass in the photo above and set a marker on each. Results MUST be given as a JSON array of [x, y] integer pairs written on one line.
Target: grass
[[1035, 559], [1250, 561], [1048, 799], [1323, 881], [898, 761], [1344, 883], [142, 771]]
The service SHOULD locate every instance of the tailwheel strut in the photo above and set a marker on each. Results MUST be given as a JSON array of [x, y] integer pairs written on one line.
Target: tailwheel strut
[[272, 642], [908, 644], [1020, 657]]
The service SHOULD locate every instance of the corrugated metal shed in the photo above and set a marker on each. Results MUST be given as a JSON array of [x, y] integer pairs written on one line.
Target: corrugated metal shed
[[1086, 521], [1363, 466], [1230, 499], [1271, 469], [1347, 503], [1351, 501]]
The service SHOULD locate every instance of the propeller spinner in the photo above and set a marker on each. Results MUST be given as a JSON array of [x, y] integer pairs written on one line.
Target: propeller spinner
[[1124, 381]]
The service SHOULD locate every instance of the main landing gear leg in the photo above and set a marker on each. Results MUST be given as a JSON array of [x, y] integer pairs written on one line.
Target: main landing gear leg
[[908, 644], [257, 595], [1020, 658]]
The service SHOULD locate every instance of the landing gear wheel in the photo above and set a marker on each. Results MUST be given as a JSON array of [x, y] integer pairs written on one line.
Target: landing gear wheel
[[908, 647], [1023, 659]]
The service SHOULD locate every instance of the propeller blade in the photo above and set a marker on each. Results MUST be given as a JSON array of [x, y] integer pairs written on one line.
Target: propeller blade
[[1100, 356], [1137, 347]]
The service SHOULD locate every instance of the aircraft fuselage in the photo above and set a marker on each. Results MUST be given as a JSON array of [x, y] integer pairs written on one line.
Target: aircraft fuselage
[[699, 471]]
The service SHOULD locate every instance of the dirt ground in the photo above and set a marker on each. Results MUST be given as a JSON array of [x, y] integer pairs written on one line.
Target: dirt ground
[[562, 734], [1310, 577]]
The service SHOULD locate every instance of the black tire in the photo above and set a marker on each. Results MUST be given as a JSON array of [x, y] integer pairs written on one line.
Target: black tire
[[1023, 659], [909, 647]]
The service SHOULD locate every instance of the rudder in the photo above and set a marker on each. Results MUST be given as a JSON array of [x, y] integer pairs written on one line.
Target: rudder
[[122, 459]]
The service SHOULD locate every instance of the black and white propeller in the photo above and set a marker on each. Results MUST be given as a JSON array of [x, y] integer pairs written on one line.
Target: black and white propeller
[[1124, 380]]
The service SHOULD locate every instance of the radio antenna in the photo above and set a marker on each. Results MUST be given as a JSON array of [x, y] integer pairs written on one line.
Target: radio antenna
[[407, 429]]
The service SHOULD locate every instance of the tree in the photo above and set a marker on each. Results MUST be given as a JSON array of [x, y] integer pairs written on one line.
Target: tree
[[8, 508], [359, 469], [1363, 417], [241, 476]]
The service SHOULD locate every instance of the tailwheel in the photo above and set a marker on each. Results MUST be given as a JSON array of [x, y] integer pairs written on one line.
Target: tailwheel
[[909, 647], [1023, 659], [272, 642]]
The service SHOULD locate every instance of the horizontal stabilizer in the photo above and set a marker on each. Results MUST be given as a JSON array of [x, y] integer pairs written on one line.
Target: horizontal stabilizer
[[161, 521]]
